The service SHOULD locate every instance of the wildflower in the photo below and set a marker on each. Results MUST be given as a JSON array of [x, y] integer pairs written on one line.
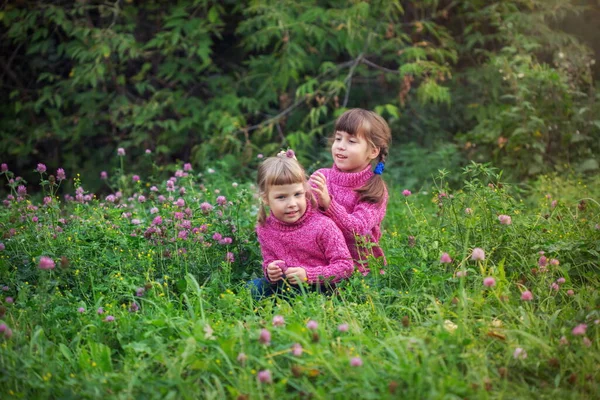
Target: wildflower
[[561, 280], [554, 262], [148, 151], [157, 220], [553, 204], [234, 184], [180, 202], [343, 328], [478, 254], [278, 320], [563, 341], [290, 154], [543, 261], [226, 240], [9, 300], [5, 288], [121, 151], [182, 235], [217, 236], [103, 175], [450, 326], [109, 318], [60, 174], [570, 292], [468, 211], [134, 307], [135, 178], [579, 330], [41, 168], [519, 353], [265, 337], [221, 200], [587, 342], [8, 333], [100, 310], [141, 198], [406, 192], [412, 241], [2, 246], [489, 281], [187, 167], [139, 292], [46, 263], [312, 325], [504, 219], [264, 376], [3, 327], [4, 167], [229, 257], [259, 156], [210, 171], [445, 259], [297, 349], [21, 190], [242, 357], [527, 296], [153, 210], [81, 310], [356, 362], [206, 207], [555, 287], [461, 274], [153, 189]]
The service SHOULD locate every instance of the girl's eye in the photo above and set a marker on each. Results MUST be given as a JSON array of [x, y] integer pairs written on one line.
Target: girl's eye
[[337, 139], [299, 194], [352, 141]]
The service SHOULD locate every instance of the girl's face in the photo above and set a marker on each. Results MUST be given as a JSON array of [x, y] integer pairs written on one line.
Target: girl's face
[[287, 202], [352, 153]]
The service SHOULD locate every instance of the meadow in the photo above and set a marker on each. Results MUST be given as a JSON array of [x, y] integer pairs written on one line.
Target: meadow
[[489, 291]]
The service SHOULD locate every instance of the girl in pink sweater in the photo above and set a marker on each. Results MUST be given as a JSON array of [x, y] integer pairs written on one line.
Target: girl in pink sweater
[[350, 193], [297, 243]]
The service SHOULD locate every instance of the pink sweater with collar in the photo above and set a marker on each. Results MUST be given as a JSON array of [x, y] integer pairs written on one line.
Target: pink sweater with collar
[[352, 216], [313, 242]]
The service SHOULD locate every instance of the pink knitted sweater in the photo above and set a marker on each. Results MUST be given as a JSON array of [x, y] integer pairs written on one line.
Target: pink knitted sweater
[[313, 242], [352, 216]]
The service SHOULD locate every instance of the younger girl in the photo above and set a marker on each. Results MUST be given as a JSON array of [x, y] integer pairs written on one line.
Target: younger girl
[[296, 242], [350, 193]]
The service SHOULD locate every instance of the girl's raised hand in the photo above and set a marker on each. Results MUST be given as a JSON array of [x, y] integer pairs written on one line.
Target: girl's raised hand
[[320, 188], [274, 271], [296, 275]]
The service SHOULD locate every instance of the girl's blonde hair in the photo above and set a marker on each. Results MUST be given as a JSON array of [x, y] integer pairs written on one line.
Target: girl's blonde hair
[[283, 169], [373, 128]]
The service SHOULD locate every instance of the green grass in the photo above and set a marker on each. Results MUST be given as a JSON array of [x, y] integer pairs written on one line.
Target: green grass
[[420, 331]]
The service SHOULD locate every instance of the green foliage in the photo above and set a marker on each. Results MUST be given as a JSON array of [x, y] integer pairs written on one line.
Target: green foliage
[[197, 80]]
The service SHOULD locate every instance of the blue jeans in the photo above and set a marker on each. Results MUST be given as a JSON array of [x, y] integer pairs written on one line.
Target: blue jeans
[[261, 287]]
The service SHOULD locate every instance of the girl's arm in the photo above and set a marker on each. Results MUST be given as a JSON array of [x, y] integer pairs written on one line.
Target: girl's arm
[[335, 250], [363, 218], [266, 250]]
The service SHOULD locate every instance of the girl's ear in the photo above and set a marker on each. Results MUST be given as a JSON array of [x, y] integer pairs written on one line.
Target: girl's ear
[[374, 152]]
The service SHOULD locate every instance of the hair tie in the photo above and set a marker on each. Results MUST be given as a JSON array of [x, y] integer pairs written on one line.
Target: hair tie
[[379, 168], [289, 154]]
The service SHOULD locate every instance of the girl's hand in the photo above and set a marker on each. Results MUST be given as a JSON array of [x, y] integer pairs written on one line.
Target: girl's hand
[[320, 187], [296, 275], [274, 271]]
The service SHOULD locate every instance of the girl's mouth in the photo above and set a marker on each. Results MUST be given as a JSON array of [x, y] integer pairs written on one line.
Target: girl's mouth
[[340, 157]]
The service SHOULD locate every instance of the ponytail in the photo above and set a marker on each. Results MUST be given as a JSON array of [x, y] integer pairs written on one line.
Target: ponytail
[[375, 189]]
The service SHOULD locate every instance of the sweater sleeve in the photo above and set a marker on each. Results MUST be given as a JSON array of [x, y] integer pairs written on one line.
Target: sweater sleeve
[[363, 218], [339, 261], [266, 250]]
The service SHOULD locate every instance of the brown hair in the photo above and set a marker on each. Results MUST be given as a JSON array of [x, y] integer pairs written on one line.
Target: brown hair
[[279, 170], [373, 128]]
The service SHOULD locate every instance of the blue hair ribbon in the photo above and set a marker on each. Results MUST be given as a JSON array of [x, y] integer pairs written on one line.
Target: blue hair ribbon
[[379, 168]]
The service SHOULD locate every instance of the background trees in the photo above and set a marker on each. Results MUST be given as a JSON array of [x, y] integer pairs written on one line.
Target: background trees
[[208, 81]]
